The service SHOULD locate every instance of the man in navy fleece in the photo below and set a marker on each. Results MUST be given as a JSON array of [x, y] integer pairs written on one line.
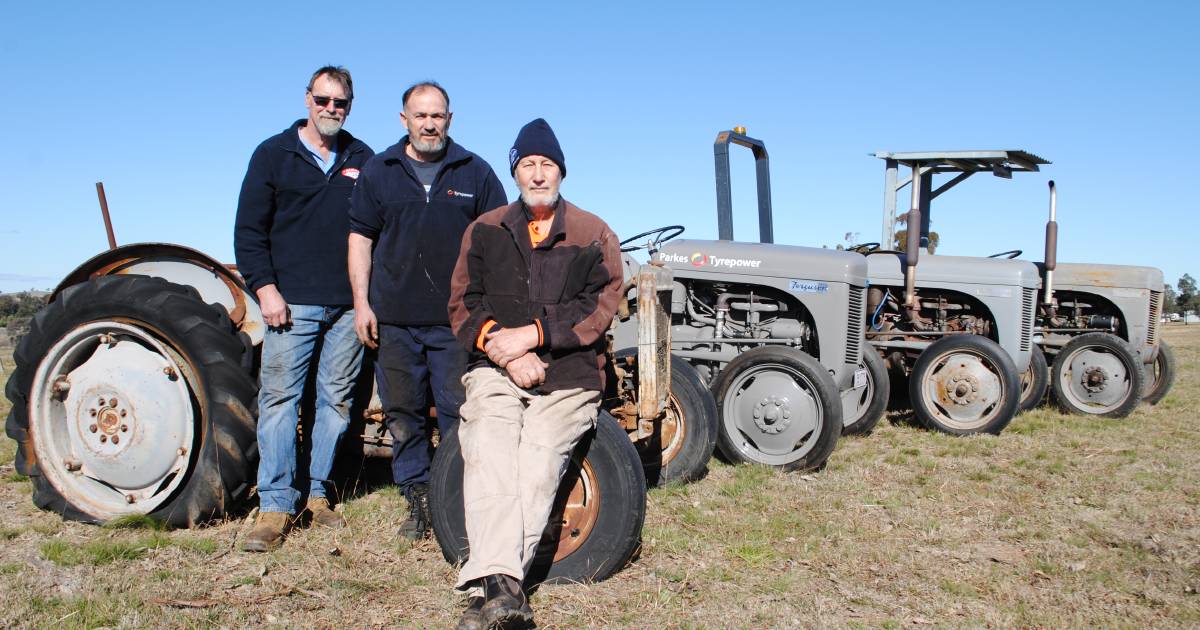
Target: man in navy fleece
[[412, 204], [290, 243]]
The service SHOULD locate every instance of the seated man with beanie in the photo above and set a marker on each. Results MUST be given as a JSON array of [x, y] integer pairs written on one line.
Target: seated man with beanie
[[536, 285]]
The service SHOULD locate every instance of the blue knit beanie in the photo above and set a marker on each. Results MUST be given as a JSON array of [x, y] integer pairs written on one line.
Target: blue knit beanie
[[536, 138]]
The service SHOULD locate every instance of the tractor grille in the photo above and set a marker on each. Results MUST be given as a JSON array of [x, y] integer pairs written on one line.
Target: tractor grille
[[1155, 313], [854, 325], [1028, 302]]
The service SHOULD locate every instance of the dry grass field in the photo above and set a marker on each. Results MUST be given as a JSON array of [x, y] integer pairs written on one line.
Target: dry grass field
[[1059, 522]]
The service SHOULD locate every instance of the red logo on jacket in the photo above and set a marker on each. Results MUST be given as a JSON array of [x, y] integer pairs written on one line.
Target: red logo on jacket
[[352, 173]]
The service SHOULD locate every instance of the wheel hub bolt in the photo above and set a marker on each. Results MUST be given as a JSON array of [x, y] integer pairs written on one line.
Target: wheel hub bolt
[[103, 438], [93, 428], [92, 412], [124, 428], [122, 413], [116, 439], [112, 402]]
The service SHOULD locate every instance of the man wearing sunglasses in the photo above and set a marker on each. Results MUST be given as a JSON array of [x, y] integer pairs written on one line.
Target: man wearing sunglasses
[[410, 209], [290, 243]]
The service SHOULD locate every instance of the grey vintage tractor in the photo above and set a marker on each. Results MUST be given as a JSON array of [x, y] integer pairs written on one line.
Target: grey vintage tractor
[[774, 330], [1100, 324], [1096, 326], [959, 328], [134, 393]]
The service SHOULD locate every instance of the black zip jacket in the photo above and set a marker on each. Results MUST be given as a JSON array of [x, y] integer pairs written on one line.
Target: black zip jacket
[[293, 219], [417, 235], [568, 286]]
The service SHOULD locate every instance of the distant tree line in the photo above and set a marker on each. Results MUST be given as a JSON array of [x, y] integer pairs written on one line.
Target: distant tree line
[[16, 309], [1185, 297]]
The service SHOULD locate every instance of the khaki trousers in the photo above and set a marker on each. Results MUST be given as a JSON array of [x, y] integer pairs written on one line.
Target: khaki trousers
[[515, 447]]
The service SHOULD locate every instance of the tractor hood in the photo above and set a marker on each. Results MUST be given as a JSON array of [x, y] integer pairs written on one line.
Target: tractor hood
[[889, 269], [1113, 276], [762, 259]]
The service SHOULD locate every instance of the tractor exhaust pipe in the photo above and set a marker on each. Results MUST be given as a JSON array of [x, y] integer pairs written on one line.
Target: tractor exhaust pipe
[[1051, 247], [912, 243]]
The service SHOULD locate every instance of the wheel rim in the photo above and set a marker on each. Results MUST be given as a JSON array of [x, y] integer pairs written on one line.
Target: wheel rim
[[1095, 379], [579, 512], [855, 402], [1157, 370], [113, 419], [963, 390], [1026, 381], [672, 430], [771, 414]]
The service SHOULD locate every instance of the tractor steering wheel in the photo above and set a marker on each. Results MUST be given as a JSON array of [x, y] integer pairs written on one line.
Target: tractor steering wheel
[[1010, 254], [658, 237], [866, 249]]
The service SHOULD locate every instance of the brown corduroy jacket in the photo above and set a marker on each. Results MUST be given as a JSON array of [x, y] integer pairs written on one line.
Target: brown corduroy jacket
[[568, 285]]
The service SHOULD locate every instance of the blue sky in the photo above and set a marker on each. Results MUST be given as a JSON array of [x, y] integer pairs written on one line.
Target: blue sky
[[164, 104]]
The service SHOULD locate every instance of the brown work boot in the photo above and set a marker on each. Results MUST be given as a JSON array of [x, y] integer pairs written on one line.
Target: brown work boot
[[324, 515], [268, 532], [472, 617], [506, 606]]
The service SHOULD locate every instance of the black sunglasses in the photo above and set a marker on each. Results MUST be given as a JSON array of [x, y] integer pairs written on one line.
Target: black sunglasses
[[323, 101]]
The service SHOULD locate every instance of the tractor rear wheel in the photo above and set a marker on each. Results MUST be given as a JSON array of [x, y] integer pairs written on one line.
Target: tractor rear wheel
[[685, 435], [1035, 380], [778, 407], [1097, 374], [1160, 375], [964, 385], [596, 523], [865, 406], [132, 396]]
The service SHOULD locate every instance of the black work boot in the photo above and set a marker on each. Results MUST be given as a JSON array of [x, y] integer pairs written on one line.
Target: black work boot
[[505, 605], [416, 526]]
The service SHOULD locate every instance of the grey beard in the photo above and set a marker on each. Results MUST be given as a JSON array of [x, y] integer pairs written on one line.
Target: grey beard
[[429, 148], [526, 197], [328, 126]]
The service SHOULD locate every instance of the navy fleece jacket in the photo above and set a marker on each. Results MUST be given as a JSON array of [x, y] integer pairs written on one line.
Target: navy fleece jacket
[[293, 219], [417, 235]]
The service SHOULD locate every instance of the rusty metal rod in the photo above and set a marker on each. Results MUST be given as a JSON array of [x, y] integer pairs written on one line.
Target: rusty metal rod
[[108, 228]]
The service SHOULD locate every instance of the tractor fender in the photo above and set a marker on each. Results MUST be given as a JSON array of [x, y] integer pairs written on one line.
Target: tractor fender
[[216, 282]]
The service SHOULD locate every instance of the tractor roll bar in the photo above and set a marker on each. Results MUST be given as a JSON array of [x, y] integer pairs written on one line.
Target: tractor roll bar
[[766, 232]]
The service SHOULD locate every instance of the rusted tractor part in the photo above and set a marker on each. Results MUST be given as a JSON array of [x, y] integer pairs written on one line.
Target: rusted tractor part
[[963, 385], [1159, 375], [596, 522], [676, 444], [131, 395], [1035, 381], [660, 400], [1097, 374], [214, 282]]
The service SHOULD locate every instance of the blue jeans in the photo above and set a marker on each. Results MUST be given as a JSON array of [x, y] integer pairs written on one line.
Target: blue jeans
[[412, 360], [327, 331]]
